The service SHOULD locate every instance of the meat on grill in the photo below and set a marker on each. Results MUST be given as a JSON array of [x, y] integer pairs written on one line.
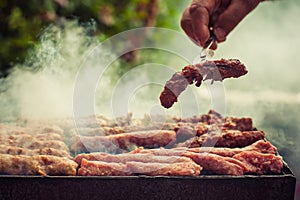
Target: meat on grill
[[219, 145], [114, 143], [211, 70], [226, 138], [31, 142], [165, 169], [128, 157], [260, 163], [101, 168], [210, 162], [259, 146], [36, 165], [32, 152], [218, 164]]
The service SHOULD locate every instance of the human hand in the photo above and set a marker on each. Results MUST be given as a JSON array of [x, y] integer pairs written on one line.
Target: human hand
[[222, 16]]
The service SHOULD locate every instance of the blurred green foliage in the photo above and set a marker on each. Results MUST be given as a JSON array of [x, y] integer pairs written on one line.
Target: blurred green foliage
[[21, 22]]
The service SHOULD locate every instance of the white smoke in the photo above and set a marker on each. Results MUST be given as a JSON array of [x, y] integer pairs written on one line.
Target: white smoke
[[42, 87]]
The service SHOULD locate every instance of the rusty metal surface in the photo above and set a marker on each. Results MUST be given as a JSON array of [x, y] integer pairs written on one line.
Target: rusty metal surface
[[206, 187]]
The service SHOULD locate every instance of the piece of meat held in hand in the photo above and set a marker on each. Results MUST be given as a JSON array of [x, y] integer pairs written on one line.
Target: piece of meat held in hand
[[260, 163], [217, 70]]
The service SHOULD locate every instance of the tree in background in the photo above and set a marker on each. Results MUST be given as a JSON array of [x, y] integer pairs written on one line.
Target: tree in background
[[22, 21]]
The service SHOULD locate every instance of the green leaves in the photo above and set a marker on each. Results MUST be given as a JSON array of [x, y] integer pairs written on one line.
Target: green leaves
[[21, 22]]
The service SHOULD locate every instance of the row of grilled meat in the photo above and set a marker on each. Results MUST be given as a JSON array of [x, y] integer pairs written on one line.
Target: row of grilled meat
[[193, 146]]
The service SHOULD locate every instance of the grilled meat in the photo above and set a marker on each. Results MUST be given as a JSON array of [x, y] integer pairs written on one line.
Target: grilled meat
[[211, 70], [36, 165], [224, 138], [114, 143]]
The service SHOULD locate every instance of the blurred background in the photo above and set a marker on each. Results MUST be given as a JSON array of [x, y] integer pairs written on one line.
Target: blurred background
[[21, 23], [43, 42]]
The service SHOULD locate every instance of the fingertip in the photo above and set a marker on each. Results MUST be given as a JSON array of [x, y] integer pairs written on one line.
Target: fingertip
[[203, 36], [220, 34]]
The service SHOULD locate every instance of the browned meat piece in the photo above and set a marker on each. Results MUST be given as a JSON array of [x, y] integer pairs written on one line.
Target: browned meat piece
[[30, 142], [36, 165], [218, 164], [259, 146], [165, 169], [212, 117], [128, 157], [262, 147], [99, 168], [241, 124], [214, 120], [210, 162], [215, 70], [227, 138], [32, 152], [113, 143], [173, 88], [260, 163], [235, 138]]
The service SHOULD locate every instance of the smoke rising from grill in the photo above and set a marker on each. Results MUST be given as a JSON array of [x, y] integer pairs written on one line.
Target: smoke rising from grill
[[42, 86]]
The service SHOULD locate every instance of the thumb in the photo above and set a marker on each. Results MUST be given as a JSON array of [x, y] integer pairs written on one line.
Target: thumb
[[231, 17]]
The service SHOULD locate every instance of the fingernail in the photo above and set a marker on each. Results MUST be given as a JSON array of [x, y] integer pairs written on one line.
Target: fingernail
[[220, 34]]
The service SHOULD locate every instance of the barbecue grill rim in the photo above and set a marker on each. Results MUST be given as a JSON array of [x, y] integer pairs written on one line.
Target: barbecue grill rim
[[286, 173]]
